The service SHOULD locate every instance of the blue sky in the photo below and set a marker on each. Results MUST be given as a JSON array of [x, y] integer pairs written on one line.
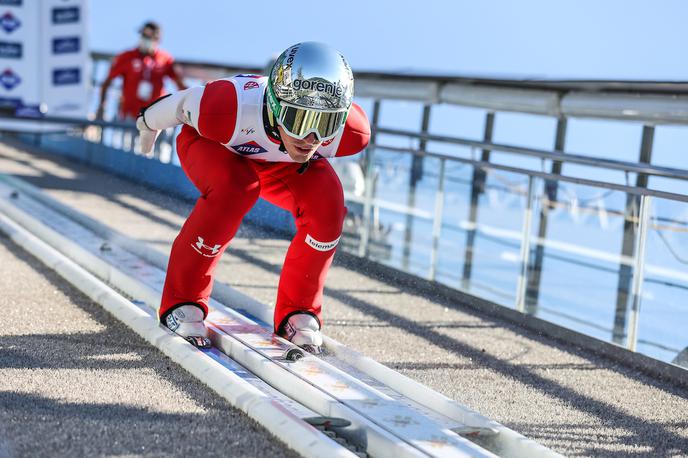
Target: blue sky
[[536, 38]]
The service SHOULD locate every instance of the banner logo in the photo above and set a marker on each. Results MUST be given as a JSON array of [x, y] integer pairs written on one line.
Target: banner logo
[[9, 50], [10, 103], [9, 80], [66, 45], [66, 106], [65, 76], [67, 15], [9, 23]]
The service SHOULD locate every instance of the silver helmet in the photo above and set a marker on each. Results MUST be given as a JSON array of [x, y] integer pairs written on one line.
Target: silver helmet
[[310, 90]]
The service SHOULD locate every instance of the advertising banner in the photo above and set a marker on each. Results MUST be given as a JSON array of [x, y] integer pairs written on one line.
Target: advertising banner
[[44, 60], [65, 57]]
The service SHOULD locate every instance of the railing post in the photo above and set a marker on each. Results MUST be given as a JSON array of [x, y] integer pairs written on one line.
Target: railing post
[[550, 192], [367, 161], [374, 123], [415, 176], [479, 178], [525, 247], [638, 271], [367, 202], [628, 242], [89, 150], [437, 221]]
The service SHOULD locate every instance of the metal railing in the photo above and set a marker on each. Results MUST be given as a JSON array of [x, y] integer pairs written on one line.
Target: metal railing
[[527, 264], [649, 103]]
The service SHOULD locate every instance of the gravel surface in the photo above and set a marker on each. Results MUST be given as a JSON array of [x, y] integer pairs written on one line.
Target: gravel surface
[[568, 399]]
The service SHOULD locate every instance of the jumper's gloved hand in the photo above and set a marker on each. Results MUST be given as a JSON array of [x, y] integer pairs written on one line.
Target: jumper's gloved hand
[[147, 136]]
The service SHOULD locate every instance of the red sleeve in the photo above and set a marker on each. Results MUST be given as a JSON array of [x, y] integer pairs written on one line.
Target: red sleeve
[[356, 132], [217, 114], [119, 65], [170, 70]]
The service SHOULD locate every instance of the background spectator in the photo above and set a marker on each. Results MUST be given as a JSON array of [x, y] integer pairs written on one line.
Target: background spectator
[[142, 70]]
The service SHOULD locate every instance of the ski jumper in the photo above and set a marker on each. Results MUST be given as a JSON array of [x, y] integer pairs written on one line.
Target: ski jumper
[[227, 154], [142, 78]]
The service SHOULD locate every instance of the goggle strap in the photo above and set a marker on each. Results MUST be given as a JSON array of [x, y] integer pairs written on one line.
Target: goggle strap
[[273, 101]]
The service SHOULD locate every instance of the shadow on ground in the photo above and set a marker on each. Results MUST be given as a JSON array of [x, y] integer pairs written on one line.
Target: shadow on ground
[[37, 425]]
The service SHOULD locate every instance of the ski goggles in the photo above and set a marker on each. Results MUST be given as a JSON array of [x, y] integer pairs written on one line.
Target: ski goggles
[[299, 122]]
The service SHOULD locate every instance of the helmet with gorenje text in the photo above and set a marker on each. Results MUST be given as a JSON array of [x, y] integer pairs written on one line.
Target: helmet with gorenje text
[[310, 90]]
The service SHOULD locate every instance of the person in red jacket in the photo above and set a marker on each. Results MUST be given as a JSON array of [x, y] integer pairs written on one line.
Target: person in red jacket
[[252, 136], [142, 70]]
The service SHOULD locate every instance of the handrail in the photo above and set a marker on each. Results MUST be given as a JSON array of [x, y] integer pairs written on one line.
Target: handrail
[[557, 85], [625, 166], [69, 120], [646, 101], [639, 191], [608, 163]]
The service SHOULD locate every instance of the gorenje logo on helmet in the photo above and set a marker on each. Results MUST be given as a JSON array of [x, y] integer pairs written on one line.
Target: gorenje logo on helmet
[[334, 90]]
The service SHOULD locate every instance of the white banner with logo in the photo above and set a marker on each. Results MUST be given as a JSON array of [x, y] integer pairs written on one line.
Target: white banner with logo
[[44, 58]]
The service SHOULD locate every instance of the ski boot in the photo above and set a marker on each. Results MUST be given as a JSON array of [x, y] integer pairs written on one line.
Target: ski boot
[[187, 321], [303, 330]]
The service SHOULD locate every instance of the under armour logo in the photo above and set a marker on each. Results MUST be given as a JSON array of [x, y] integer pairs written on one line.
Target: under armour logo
[[206, 250]]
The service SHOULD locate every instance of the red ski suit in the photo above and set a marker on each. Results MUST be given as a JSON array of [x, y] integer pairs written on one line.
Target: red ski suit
[[230, 180]]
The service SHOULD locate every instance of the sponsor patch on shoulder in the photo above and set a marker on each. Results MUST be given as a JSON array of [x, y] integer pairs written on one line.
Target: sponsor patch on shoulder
[[321, 246]]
